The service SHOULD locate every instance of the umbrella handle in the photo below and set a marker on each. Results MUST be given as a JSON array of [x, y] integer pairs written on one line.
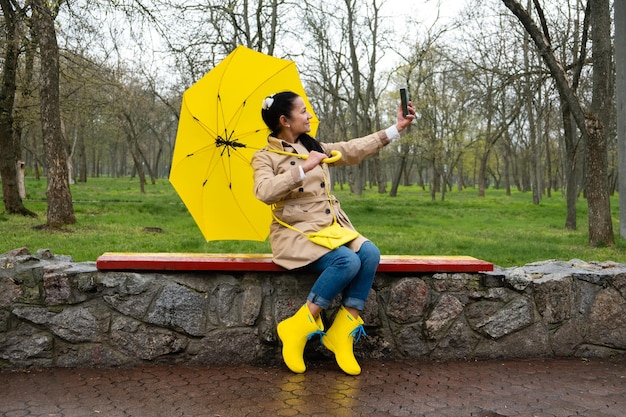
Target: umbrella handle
[[334, 155]]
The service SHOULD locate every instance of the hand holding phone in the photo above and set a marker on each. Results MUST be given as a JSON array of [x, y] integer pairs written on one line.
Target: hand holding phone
[[404, 99]]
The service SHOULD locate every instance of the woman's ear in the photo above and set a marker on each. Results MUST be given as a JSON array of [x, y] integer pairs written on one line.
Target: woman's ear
[[284, 122]]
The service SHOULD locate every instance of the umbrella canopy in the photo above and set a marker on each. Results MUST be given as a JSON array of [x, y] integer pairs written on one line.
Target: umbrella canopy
[[219, 129]]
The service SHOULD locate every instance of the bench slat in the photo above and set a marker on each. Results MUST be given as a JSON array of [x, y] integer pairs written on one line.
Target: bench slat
[[135, 261]]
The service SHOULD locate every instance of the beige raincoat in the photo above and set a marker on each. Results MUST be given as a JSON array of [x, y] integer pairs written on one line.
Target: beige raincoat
[[304, 204]]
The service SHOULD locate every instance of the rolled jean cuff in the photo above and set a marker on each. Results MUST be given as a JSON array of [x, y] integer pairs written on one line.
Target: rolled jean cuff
[[354, 303], [319, 301]]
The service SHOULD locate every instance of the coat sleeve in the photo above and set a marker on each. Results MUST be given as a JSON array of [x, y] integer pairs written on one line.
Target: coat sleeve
[[270, 186], [355, 150]]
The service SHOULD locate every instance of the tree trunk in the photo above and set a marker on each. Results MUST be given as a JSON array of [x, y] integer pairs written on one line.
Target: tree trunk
[[436, 181], [60, 208], [82, 159], [381, 180], [482, 173], [398, 177], [13, 203], [620, 90], [535, 149], [600, 227], [356, 184], [571, 167], [135, 153], [148, 166], [506, 159], [551, 182], [21, 184], [600, 220], [460, 173]]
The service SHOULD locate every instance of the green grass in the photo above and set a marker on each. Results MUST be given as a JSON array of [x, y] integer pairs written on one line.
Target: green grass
[[507, 230]]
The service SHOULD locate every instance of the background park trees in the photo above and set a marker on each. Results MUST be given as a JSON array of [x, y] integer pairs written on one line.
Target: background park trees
[[505, 90]]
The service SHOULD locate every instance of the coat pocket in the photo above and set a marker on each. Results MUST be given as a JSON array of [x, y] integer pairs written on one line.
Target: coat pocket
[[307, 217]]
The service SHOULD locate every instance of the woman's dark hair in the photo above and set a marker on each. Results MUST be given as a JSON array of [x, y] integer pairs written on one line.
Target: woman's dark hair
[[282, 105]]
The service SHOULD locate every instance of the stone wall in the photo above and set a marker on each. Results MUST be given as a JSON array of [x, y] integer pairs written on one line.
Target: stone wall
[[55, 312]]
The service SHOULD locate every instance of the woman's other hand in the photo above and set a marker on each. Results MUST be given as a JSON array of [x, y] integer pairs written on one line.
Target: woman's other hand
[[315, 158], [404, 122]]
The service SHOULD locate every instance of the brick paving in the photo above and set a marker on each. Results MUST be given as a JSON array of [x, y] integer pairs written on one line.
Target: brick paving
[[541, 388]]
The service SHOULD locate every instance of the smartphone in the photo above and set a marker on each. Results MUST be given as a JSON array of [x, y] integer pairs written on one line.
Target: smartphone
[[404, 99]]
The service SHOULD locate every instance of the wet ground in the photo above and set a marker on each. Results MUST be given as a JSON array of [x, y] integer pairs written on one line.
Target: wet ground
[[542, 388]]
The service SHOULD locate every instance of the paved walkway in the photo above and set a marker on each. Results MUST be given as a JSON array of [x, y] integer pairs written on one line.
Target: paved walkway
[[571, 387]]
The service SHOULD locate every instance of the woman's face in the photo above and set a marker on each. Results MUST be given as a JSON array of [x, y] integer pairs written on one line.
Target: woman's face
[[299, 120]]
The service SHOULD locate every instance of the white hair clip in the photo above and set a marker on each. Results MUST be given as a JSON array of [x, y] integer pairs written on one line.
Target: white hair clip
[[267, 103]]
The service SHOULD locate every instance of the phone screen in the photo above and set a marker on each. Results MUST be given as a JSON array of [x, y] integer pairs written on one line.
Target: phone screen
[[404, 99]]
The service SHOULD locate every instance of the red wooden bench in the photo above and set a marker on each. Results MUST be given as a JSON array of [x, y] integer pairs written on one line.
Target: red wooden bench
[[122, 261]]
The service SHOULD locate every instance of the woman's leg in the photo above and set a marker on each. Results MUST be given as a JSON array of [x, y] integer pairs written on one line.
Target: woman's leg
[[337, 269], [350, 273], [347, 328], [356, 292]]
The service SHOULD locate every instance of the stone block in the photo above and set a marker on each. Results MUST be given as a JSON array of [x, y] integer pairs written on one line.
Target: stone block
[[56, 285], [227, 346], [447, 309], [10, 291], [512, 317], [458, 342], [531, 342], [518, 278], [135, 306], [554, 298], [607, 320], [178, 307], [407, 300], [370, 314], [88, 355], [619, 282], [74, 324], [27, 347], [409, 341], [138, 340], [567, 337], [453, 282]]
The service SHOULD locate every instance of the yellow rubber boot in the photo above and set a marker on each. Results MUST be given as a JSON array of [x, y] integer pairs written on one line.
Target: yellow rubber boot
[[294, 333], [340, 339]]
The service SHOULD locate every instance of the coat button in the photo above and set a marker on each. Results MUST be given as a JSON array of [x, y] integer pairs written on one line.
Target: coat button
[[322, 185], [292, 162], [327, 211], [300, 190]]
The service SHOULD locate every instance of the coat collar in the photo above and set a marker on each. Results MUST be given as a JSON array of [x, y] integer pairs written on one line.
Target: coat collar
[[281, 145]]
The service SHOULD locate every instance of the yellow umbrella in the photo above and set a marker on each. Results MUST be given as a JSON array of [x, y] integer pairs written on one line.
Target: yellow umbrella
[[219, 130]]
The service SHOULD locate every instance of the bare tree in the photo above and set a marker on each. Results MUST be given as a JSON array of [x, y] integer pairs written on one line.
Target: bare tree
[[600, 220], [535, 145], [591, 127], [344, 51], [620, 85], [573, 161], [9, 140], [60, 208], [416, 70]]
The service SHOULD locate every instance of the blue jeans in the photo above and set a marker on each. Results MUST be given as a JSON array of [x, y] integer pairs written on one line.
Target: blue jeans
[[346, 272]]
